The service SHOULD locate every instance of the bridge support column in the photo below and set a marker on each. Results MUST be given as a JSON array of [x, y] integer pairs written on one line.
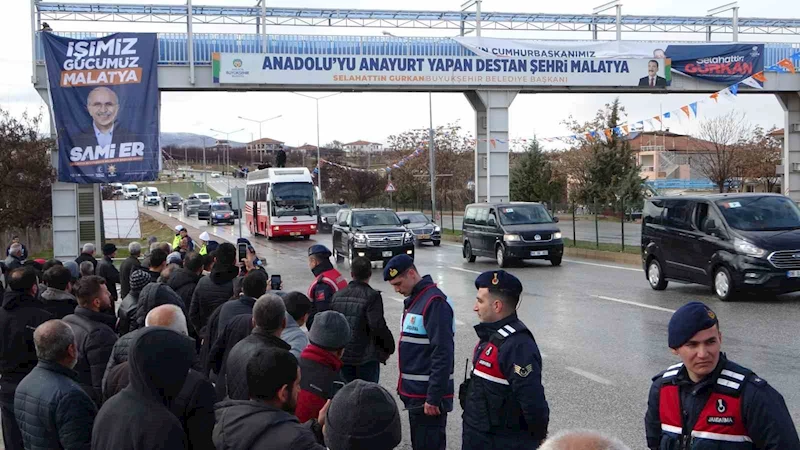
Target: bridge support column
[[491, 147], [790, 101]]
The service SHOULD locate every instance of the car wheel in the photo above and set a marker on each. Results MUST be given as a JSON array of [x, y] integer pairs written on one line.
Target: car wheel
[[555, 261], [655, 276], [467, 253], [502, 261], [437, 243], [723, 284], [337, 255], [350, 256]]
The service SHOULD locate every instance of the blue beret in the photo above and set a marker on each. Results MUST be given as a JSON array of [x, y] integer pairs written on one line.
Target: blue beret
[[319, 250], [688, 320], [499, 279], [397, 266]]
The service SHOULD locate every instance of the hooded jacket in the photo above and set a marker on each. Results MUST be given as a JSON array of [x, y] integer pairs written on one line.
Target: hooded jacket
[[19, 316], [139, 418], [211, 291], [125, 269], [59, 303], [183, 282], [236, 365], [319, 382], [154, 295], [250, 424], [94, 339]]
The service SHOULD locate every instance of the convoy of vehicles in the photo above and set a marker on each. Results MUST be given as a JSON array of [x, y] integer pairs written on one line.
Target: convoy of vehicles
[[375, 233], [734, 243], [172, 201], [203, 197], [423, 227], [327, 216], [281, 202], [190, 206], [227, 199], [220, 212], [511, 231]]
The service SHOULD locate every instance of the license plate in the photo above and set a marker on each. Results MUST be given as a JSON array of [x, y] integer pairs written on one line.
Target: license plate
[[386, 254], [793, 274], [539, 253], [423, 236], [294, 233]]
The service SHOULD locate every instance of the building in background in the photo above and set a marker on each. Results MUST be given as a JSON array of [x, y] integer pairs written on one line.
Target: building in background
[[666, 160], [264, 146], [362, 146]]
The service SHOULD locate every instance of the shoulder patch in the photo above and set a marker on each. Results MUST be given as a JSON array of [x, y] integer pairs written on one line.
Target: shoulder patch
[[523, 371], [758, 381]]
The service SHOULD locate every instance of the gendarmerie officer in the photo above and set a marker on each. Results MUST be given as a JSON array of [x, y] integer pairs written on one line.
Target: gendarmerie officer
[[327, 281], [709, 402], [504, 402], [425, 353]]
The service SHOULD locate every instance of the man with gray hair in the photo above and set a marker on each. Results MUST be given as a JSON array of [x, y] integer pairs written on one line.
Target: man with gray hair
[[51, 408], [86, 269], [269, 320], [194, 405], [582, 440], [15, 257], [87, 255], [129, 265]]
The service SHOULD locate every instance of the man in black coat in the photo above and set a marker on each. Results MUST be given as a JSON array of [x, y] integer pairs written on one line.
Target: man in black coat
[[157, 262], [139, 418], [87, 255], [58, 298], [215, 289], [127, 266], [184, 280], [52, 409], [269, 318], [254, 286], [20, 314], [107, 270], [194, 405], [372, 341], [152, 296], [94, 333]]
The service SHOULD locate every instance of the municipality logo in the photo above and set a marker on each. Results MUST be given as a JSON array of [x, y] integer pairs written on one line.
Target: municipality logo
[[237, 71], [237, 63]]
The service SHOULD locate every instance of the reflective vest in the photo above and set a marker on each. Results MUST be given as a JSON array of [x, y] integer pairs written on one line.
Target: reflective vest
[[203, 250], [176, 242], [332, 278], [415, 352], [490, 405], [720, 425]]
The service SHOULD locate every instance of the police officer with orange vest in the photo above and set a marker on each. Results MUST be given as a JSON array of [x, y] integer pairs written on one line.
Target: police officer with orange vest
[[426, 353], [503, 400], [709, 402], [327, 281]]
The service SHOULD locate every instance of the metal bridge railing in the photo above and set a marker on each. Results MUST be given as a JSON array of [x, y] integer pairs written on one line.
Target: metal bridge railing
[[173, 47]]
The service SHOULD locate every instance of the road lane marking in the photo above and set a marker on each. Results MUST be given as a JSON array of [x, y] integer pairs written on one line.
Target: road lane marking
[[590, 375], [465, 270], [628, 302], [607, 266]]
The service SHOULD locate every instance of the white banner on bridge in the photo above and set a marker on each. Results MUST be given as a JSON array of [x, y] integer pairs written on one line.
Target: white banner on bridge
[[294, 69], [121, 219]]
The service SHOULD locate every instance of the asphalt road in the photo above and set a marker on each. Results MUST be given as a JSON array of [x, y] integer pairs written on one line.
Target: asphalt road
[[601, 329]]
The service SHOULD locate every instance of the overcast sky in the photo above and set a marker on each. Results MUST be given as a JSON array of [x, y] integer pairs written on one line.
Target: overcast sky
[[375, 116]]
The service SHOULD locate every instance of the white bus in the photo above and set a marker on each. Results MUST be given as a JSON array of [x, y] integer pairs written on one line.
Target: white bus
[[281, 202]]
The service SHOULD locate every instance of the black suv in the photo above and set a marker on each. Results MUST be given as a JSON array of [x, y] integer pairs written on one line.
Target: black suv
[[375, 233], [172, 201], [511, 231], [731, 242], [327, 216]]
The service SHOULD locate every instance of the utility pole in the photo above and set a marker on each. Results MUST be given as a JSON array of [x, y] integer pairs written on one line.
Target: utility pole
[[260, 122], [432, 158]]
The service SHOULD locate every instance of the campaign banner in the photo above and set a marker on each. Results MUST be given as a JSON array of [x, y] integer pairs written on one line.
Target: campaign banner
[[722, 63], [104, 95], [294, 69]]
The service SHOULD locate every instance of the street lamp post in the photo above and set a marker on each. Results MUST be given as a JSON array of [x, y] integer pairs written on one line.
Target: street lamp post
[[316, 101], [259, 122], [228, 142]]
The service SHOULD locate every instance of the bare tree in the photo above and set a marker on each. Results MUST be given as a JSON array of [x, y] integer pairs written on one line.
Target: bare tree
[[720, 160]]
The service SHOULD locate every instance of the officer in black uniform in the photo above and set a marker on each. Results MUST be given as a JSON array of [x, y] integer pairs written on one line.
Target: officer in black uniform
[[504, 402], [708, 401]]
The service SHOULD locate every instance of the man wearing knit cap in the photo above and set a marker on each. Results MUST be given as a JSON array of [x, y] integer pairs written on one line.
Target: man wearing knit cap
[[426, 353], [707, 401], [504, 401], [363, 415], [320, 363]]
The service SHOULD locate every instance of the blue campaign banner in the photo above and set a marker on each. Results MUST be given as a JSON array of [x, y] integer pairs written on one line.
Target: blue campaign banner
[[720, 63], [104, 95]]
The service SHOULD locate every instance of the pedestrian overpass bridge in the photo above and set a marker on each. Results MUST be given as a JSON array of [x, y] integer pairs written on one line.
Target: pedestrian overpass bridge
[[185, 63]]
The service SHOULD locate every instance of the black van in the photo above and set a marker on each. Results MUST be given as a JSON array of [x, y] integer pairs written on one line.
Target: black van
[[731, 242], [511, 231]]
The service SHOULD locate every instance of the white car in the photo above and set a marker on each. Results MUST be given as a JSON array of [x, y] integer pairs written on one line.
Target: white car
[[203, 197], [215, 175]]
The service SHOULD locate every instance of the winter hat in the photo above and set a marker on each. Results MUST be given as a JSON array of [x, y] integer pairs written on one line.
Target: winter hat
[[689, 320], [362, 415], [174, 257], [330, 330], [139, 279]]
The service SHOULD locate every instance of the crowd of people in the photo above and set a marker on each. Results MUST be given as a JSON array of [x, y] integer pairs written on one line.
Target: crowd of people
[[203, 352]]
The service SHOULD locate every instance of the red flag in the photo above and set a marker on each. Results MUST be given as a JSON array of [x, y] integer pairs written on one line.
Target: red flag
[[715, 96], [759, 77], [685, 109], [787, 64]]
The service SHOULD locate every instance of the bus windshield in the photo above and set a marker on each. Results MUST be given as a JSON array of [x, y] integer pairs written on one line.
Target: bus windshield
[[293, 198]]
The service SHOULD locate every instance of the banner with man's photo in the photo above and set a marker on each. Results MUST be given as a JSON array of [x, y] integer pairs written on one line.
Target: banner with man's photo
[[721, 63], [104, 95]]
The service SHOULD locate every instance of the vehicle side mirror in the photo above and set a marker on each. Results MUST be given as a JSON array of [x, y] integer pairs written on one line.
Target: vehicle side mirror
[[406, 221], [555, 219], [491, 222]]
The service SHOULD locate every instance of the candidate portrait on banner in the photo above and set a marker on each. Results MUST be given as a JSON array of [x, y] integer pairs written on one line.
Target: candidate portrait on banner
[[652, 79], [102, 104]]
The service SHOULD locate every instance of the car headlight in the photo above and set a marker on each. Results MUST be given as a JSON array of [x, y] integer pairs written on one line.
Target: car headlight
[[360, 238], [324, 220], [557, 235], [511, 237], [437, 228], [409, 236], [748, 249]]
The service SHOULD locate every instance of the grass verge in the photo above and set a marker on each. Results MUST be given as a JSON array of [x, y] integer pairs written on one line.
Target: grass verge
[[604, 247]]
